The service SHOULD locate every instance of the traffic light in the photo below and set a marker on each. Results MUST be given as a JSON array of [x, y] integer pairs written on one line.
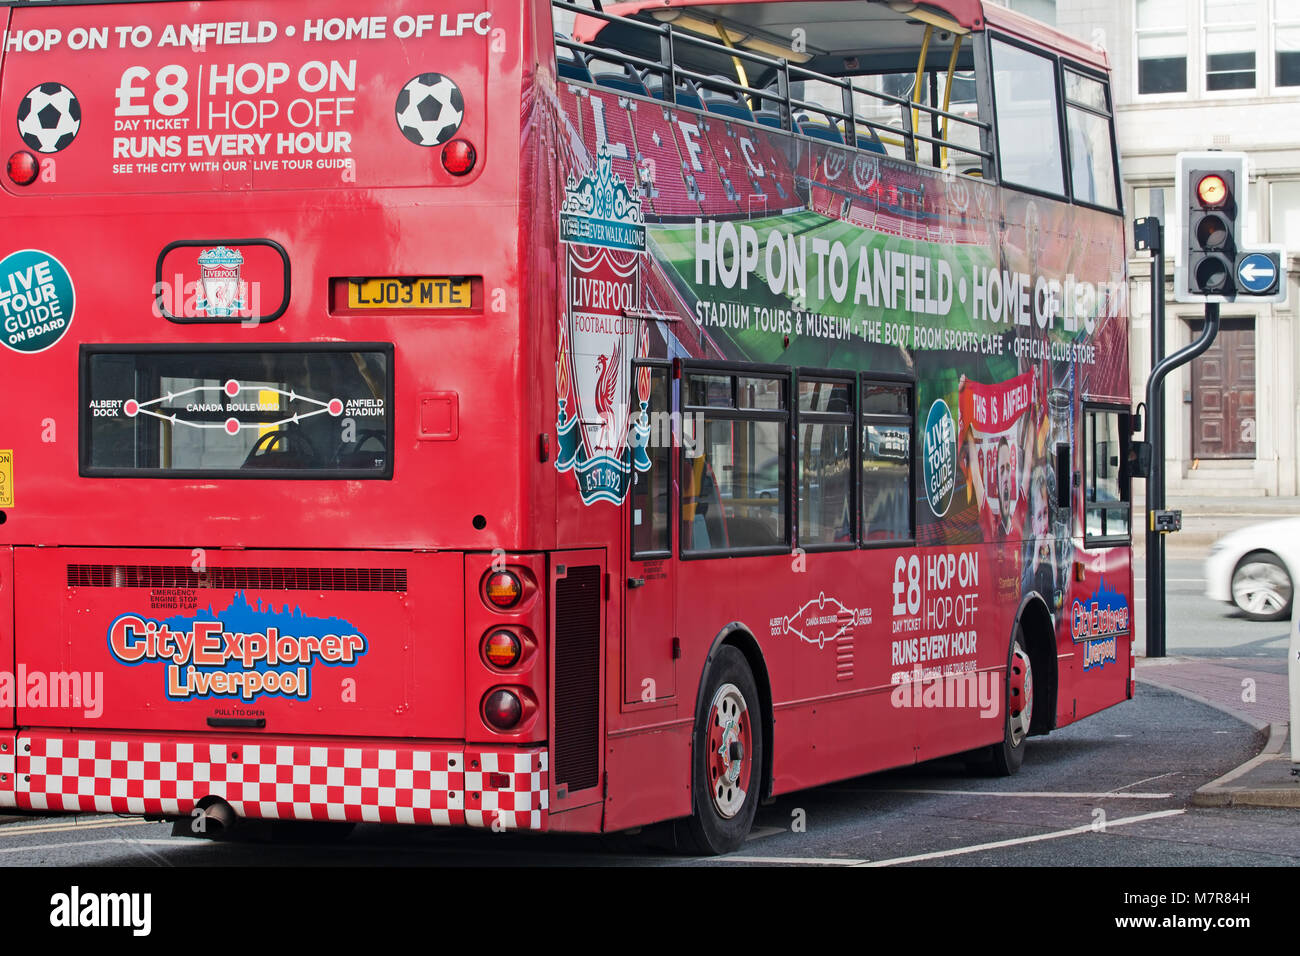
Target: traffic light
[[1215, 265], [1212, 189]]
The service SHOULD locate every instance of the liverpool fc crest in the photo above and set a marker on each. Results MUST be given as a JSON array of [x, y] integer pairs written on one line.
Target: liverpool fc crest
[[221, 289]]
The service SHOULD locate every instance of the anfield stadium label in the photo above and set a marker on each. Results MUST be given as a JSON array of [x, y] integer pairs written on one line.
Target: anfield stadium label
[[37, 301]]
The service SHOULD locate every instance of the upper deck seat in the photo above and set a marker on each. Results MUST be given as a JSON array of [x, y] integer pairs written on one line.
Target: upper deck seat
[[618, 77], [871, 142], [688, 94], [822, 131], [726, 102], [569, 64]]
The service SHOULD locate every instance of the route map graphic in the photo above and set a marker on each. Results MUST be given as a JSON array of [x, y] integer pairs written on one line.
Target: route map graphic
[[821, 621], [232, 426]]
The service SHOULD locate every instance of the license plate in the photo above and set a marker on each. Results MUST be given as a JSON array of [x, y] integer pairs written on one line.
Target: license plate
[[431, 293]]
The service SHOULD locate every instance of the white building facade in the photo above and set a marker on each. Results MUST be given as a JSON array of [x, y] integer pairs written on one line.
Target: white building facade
[[1197, 75]]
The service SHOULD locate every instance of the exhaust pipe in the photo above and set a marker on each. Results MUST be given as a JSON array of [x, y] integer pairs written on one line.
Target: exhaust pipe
[[212, 821]]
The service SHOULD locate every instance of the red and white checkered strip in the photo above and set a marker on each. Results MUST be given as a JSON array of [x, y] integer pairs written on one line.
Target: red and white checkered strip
[[7, 764], [508, 790], [266, 779]]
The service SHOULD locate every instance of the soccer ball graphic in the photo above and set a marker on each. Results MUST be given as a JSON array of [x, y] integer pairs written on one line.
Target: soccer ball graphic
[[49, 118], [430, 109]]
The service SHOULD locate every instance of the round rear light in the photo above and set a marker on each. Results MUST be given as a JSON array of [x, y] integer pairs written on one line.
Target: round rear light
[[502, 649], [503, 589], [24, 168], [459, 157], [502, 709]]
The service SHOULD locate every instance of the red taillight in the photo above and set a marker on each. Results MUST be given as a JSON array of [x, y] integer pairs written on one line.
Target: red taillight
[[24, 168], [1212, 190], [503, 589], [502, 649], [502, 709], [459, 157]]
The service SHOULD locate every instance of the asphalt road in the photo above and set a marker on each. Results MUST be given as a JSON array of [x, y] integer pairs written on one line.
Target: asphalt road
[[1113, 789], [1199, 627]]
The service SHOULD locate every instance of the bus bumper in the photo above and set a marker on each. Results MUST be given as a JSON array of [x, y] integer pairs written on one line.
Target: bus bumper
[[450, 784]]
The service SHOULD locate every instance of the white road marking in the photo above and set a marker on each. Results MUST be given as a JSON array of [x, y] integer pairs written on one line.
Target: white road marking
[[1047, 794], [12, 831], [1017, 841], [54, 846], [1146, 779], [793, 860]]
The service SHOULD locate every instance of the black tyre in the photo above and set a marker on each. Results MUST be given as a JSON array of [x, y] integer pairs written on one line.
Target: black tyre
[[1262, 587], [727, 756], [1006, 757]]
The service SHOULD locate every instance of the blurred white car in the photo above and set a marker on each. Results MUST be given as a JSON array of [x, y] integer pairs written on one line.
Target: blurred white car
[[1255, 568]]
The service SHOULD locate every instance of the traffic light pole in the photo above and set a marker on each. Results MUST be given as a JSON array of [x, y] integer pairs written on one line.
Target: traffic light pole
[[1156, 481], [1155, 488]]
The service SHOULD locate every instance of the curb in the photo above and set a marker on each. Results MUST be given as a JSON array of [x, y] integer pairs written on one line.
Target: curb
[[1218, 793]]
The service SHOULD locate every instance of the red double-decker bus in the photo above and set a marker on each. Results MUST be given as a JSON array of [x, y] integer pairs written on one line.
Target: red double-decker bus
[[417, 415]]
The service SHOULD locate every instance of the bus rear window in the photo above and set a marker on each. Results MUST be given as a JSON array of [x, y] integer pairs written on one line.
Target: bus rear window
[[302, 412]]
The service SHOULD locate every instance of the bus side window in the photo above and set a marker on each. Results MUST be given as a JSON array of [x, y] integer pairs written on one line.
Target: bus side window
[[888, 466], [1106, 505], [652, 428], [1092, 147], [825, 482], [1028, 119], [734, 473]]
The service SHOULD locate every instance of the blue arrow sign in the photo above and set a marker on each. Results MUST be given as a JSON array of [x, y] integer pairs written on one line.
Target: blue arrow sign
[[1257, 273]]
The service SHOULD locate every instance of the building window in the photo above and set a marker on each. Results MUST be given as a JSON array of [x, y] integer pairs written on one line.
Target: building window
[[1286, 43], [1231, 37], [1029, 138], [1162, 46], [1284, 215], [1044, 10]]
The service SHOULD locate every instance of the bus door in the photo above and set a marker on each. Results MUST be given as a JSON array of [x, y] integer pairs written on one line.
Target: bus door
[[649, 606]]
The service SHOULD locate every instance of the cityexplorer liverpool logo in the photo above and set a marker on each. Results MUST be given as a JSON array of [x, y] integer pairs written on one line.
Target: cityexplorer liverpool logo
[[599, 210]]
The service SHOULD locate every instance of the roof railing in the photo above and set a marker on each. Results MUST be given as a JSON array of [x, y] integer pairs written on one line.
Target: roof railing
[[846, 119]]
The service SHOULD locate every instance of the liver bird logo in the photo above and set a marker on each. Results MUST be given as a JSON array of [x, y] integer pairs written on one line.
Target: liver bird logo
[[607, 367]]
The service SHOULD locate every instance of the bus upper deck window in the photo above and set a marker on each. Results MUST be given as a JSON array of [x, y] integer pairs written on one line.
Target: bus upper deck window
[[1029, 134]]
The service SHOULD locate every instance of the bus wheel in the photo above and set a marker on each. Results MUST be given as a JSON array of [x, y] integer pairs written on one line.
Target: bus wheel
[[1008, 755], [727, 757]]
